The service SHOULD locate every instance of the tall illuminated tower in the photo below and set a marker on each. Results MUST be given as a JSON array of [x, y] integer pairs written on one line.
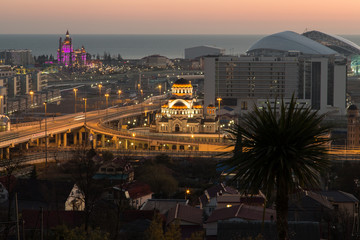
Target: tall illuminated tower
[[66, 55]]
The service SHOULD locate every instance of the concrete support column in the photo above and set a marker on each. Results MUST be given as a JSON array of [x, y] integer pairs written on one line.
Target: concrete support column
[[7, 153], [65, 140], [58, 139], [116, 142], [80, 138], [102, 140], [37, 142], [75, 137], [27, 146], [94, 141], [126, 144], [2, 153]]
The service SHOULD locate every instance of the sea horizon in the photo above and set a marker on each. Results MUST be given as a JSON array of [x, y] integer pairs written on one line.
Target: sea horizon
[[136, 46]]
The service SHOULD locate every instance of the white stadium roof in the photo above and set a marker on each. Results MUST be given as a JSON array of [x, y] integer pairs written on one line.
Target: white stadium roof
[[291, 41]]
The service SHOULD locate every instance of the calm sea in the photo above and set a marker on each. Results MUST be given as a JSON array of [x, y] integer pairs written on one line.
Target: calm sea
[[135, 46]]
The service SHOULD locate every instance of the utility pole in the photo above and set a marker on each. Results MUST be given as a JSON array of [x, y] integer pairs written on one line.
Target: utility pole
[[46, 137], [17, 218]]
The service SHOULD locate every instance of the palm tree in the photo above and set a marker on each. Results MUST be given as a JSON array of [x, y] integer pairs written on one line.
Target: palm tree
[[280, 147]]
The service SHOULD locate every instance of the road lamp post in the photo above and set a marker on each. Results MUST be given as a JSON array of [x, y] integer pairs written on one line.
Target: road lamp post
[[85, 99], [100, 86], [119, 93], [46, 137], [219, 100], [75, 91], [1, 102], [159, 89], [107, 97]]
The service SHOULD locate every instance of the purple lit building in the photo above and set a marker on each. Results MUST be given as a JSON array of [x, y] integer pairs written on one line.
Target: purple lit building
[[69, 57]]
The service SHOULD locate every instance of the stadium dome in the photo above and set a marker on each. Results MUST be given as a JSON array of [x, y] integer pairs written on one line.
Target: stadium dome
[[337, 43], [282, 42]]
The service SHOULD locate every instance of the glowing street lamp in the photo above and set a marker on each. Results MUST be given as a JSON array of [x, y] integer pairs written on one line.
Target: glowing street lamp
[[75, 91], [46, 137], [119, 93], [1, 101], [32, 97], [142, 92], [100, 86], [85, 100], [107, 97], [159, 89], [219, 100]]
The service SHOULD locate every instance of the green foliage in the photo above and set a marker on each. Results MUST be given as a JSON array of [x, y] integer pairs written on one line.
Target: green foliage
[[163, 159], [282, 148], [155, 230], [159, 179], [62, 232], [173, 231], [107, 156], [196, 236], [33, 174]]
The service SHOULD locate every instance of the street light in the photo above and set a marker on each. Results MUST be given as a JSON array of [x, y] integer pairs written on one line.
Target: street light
[[219, 100], [159, 89], [107, 97], [85, 99], [100, 86], [75, 91], [1, 107], [119, 93], [46, 137]]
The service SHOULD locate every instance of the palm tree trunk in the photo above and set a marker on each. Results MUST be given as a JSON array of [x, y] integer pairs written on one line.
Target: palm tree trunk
[[282, 199]]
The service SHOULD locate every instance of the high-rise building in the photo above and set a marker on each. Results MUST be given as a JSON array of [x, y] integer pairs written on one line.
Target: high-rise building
[[69, 57], [17, 57], [279, 66]]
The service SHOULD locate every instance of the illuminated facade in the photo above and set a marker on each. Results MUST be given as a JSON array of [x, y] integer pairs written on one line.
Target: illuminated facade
[[183, 114], [69, 57]]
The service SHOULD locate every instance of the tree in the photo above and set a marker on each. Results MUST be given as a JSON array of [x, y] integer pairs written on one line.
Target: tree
[[78, 233], [10, 165], [82, 168], [155, 230], [173, 231], [280, 147]]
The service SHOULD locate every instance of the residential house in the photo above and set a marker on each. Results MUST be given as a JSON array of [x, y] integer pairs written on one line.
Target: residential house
[[6, 182], [311, 207], [76, 200], [36, 194], [241, 212], [344, 203], [137, 193], [163, 205], [221, 196], [189, 218], [117, 169], [208, 201]]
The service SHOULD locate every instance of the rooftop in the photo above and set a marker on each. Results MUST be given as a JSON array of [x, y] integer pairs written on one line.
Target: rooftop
[[290, 41]]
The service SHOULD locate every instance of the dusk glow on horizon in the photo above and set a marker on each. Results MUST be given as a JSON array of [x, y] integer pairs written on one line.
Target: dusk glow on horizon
[[178, 17]]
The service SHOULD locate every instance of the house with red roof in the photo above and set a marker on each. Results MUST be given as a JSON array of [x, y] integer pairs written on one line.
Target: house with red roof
[[189, 218], [241, 212], [137, 193], [222, 196]]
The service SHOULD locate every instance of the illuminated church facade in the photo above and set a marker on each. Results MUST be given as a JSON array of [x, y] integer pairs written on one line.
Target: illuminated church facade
[[183, 114], [67, 56]]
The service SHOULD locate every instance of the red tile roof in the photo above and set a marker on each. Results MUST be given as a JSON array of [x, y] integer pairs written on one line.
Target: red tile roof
[[241, 211], [185, 213], [137, 189]]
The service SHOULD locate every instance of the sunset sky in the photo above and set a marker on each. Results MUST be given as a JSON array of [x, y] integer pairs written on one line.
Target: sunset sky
[[178, 16]]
